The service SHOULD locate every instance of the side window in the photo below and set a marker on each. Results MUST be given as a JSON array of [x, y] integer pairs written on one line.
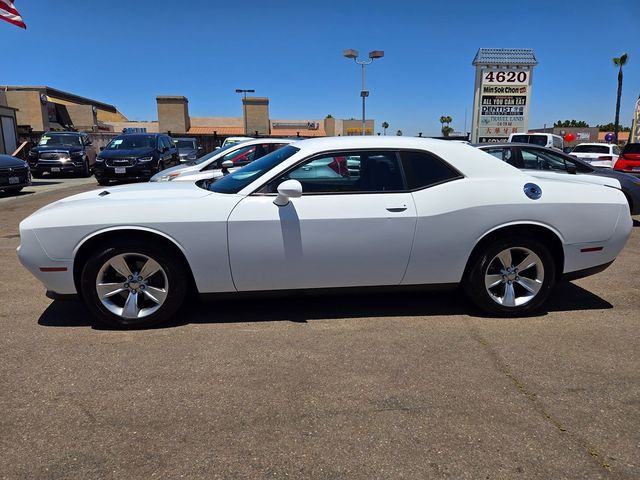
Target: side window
[[346, 172], [557, 143], [423, 169], [542, 160], [504, 154], [239, 157], [275, 146]]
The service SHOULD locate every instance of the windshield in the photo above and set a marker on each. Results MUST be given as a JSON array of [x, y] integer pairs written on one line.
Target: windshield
[[210, 155], [533, 139], [591, 149], [185, 144], [132, 142], [236, 181], [631, 148], [68, 140]]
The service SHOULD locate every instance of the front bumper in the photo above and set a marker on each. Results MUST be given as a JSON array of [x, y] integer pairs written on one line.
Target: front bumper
[[136, 172], [56, 275], [53, 166], [24, 180]]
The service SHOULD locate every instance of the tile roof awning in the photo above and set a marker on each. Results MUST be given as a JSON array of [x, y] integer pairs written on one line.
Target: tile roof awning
[[216, 130], [505, 56], [293, 132]]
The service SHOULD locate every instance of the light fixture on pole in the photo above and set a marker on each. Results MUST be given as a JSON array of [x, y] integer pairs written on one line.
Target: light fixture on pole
[[244, 107], [351, 53]]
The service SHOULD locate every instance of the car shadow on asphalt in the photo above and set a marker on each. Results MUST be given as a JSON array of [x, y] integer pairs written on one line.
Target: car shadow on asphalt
[[636, 223], [302, 308]]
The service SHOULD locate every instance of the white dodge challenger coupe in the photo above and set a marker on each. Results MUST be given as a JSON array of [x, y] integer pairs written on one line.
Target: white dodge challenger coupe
[[328, 213]]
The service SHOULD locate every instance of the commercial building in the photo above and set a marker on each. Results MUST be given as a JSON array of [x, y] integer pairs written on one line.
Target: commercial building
[[41, 108], [173, 117], [8, 127]]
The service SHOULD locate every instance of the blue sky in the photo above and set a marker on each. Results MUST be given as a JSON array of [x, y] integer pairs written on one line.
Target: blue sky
[[127, 52]]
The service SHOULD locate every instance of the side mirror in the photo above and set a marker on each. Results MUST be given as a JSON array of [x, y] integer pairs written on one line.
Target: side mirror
[[286, 190], [571, 169], [199, 148], [227, 164]]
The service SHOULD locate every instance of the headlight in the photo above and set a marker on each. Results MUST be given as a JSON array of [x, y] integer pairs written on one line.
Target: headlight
[[32, 153], [98, 159], [145, 159], [191, 157]]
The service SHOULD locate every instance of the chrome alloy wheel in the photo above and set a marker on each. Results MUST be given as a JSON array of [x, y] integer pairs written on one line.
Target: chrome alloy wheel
[[514, 277], [132, 285]]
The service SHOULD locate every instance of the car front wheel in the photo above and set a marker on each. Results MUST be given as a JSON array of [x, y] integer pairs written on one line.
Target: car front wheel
[[511, 277], [133, 285]]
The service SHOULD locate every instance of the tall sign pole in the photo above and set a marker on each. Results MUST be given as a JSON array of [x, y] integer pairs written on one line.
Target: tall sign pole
[[502, 93]]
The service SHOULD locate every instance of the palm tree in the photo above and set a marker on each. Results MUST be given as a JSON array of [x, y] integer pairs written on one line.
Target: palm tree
[[619, 62], [446, 129], [385, 125]]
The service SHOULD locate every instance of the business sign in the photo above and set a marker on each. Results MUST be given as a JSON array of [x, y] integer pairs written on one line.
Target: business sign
[[504, 104]]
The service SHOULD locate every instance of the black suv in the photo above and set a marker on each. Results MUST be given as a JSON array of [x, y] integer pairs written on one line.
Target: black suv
[[135, 156], [57, 152]]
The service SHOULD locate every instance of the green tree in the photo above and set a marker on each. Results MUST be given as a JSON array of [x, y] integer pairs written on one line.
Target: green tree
[[609, 127], [620, 62], [445, 120], [571, 123], [385, 125]]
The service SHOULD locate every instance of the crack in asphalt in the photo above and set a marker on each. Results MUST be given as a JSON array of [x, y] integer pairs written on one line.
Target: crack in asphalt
[[504, 369]]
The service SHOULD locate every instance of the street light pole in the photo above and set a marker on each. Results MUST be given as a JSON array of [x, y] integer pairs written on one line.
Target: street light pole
[[244, 107], [351, 53]]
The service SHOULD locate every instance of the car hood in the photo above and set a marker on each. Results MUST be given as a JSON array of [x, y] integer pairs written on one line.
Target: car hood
[[126, 153], [174, 210], [7, 161], [56, 148], [577, 178], [183, 152]]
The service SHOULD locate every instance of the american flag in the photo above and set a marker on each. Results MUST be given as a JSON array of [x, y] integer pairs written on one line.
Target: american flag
[[9, 13]]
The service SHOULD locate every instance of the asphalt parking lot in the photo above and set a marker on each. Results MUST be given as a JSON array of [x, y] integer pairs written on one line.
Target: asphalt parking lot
[[372, 386]]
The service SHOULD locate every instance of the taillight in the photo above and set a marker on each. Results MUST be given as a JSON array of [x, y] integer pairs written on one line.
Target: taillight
[[605, 157]]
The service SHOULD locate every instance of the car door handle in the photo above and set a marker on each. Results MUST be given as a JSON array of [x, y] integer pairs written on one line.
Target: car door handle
[[396, 209]]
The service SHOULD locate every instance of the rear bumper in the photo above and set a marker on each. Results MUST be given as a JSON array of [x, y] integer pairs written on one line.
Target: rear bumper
[[583, 259]]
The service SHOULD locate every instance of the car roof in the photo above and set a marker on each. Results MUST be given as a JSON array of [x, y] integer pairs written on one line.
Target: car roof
[[469, 160], [64, 133]]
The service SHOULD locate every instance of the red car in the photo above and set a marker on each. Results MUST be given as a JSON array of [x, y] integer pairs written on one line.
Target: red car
[[629, 160]]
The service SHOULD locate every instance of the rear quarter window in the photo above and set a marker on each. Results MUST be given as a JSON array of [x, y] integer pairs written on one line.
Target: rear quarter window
[[423, 169]]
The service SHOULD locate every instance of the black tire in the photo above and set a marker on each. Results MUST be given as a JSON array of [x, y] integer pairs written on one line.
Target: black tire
[[176, 278], [36, 174], [484, 263], [86, 171]]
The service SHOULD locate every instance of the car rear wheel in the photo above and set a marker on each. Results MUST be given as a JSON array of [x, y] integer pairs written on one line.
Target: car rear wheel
[[133, 285], [511, 277]]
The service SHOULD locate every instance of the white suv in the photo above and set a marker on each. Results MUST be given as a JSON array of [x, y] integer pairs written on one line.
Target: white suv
[[548, 140], [210, 165], [597, 154]]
